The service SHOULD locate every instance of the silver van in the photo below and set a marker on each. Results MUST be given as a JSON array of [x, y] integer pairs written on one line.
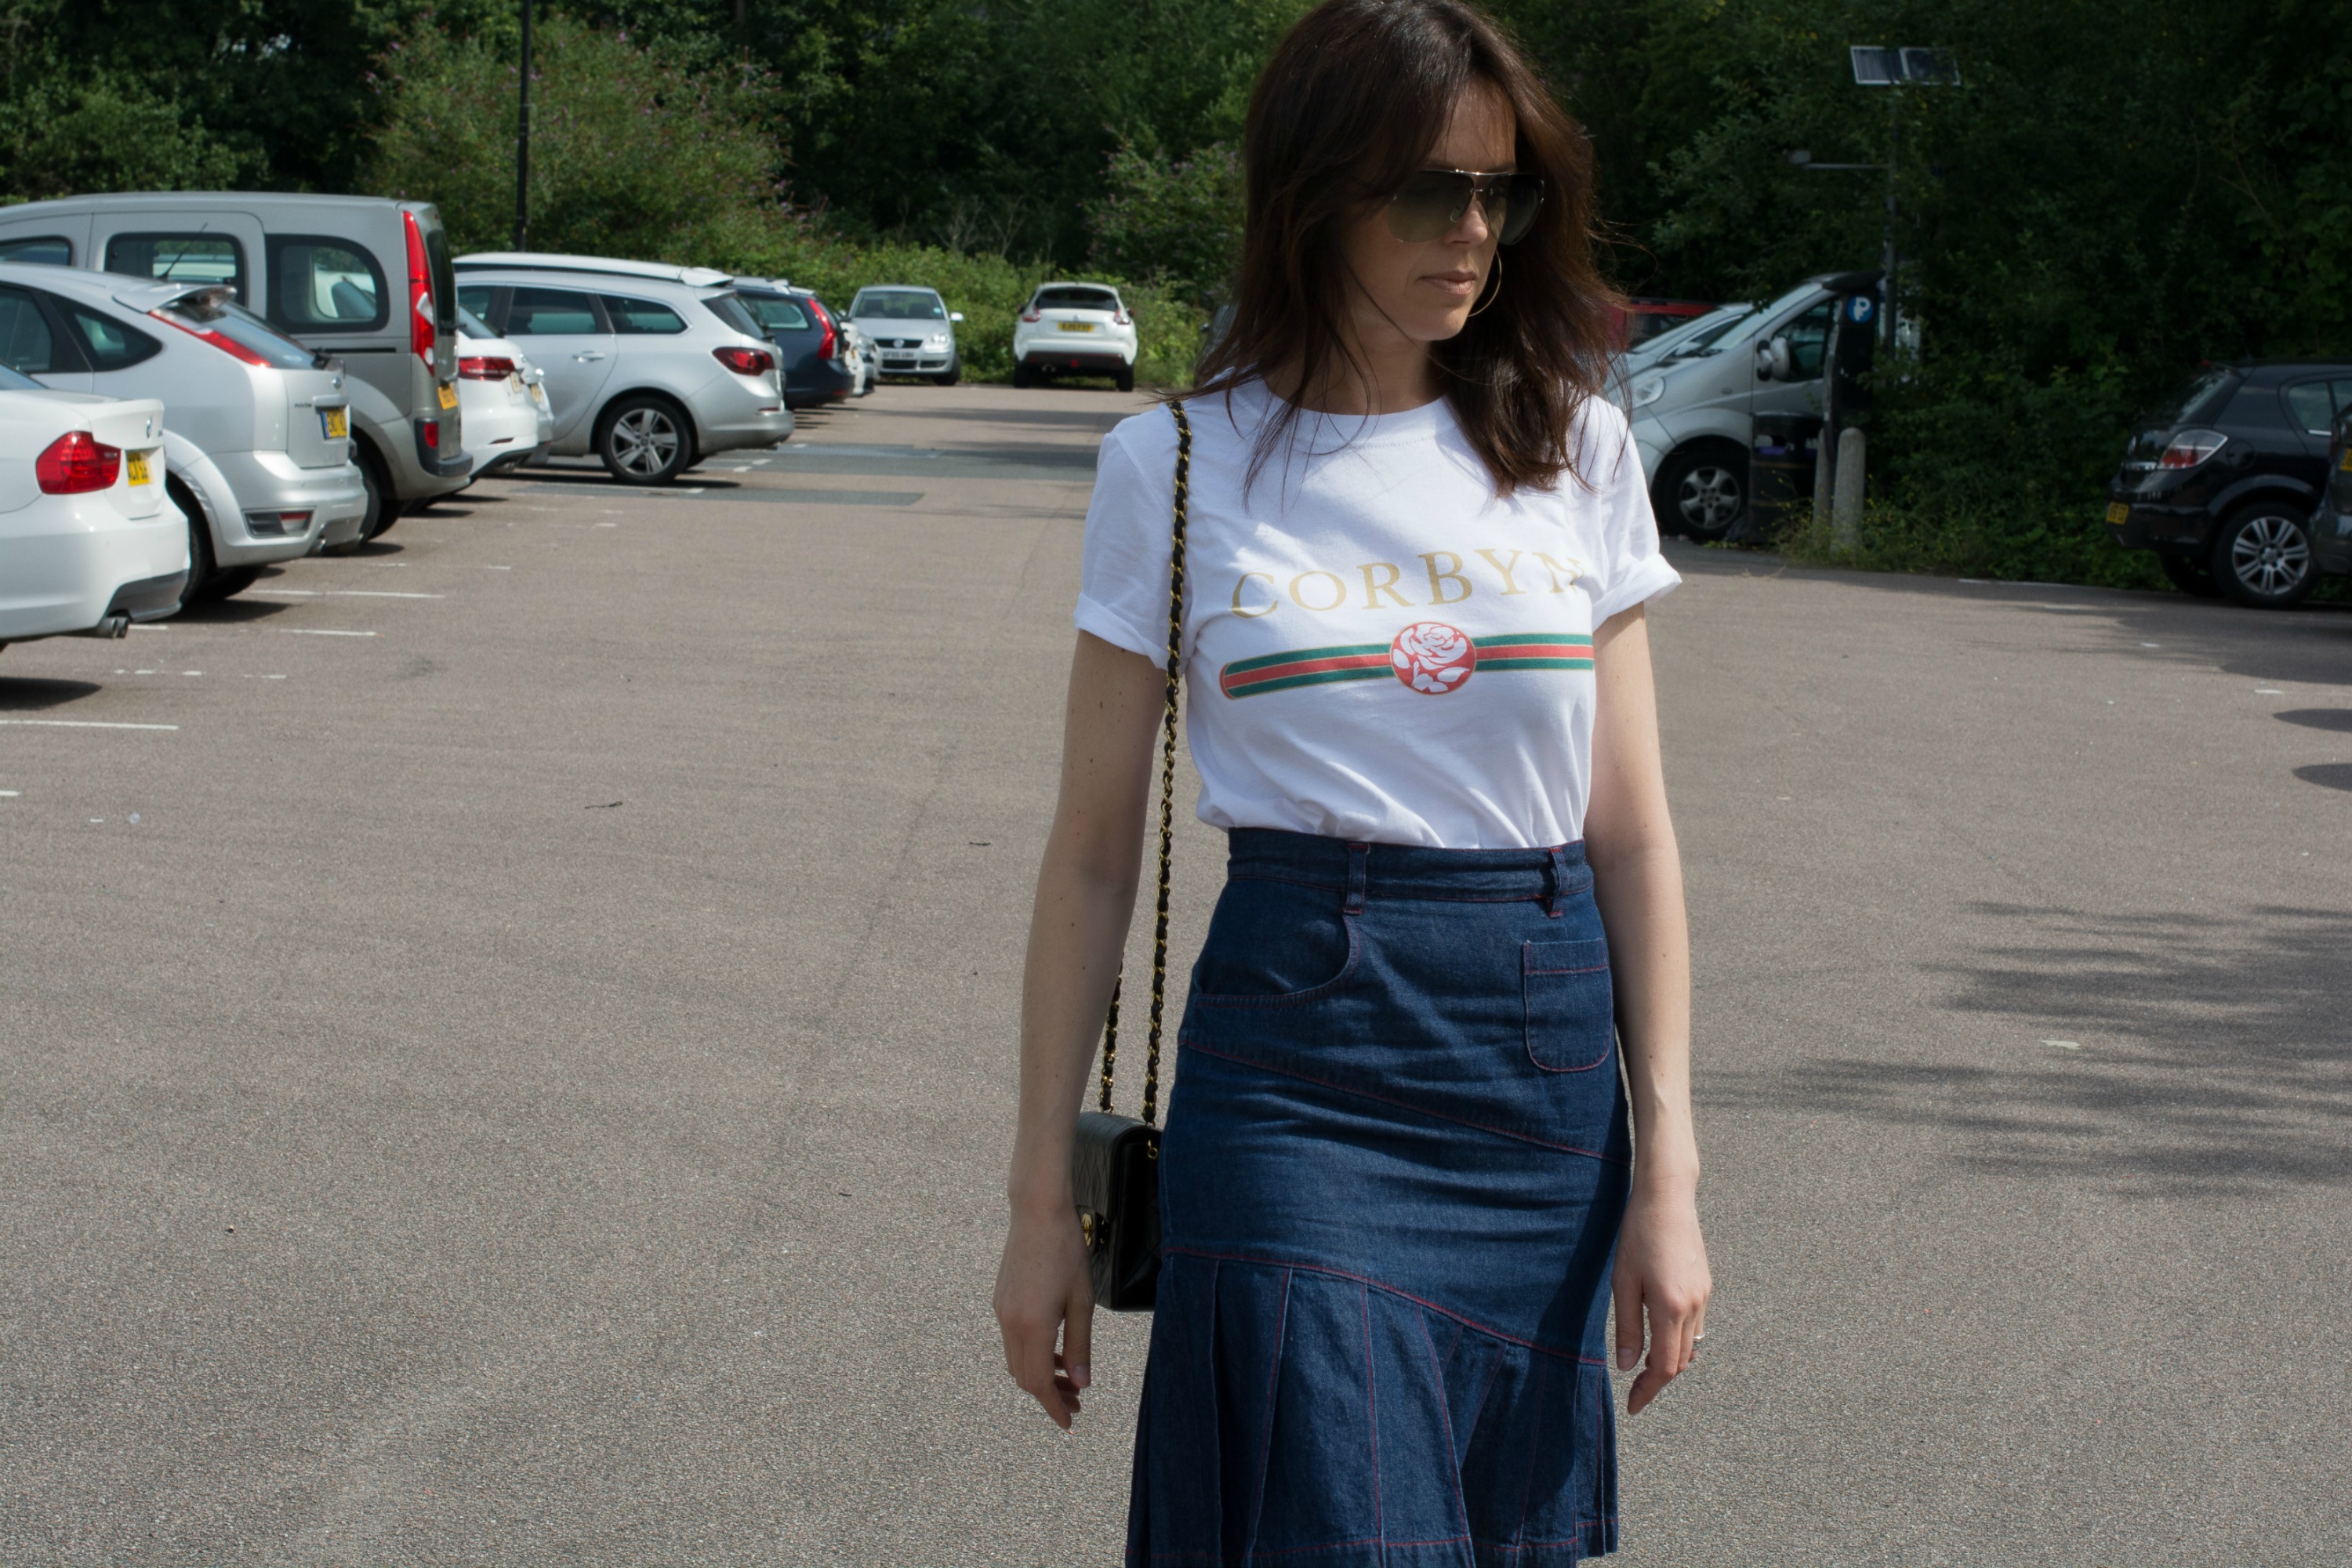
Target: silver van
[[650, 367], [366, 278], [1695, 410], [256, 433]]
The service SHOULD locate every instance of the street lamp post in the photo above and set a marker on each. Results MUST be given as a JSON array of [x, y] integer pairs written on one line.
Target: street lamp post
[[522, 142], [1898, 69]]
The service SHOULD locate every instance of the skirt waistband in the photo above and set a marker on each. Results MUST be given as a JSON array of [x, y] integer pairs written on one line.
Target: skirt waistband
[[1364, 871]]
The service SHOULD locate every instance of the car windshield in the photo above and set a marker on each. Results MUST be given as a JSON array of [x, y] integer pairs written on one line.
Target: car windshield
[[1700, 336], [2201, 402], [17, 380], [1076, 300], [899, 305]]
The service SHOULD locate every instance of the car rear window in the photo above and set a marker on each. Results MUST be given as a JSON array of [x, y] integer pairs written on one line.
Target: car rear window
[[39, 251], [777, 315], [473, 326], [899, 305], [1077, 299], [2200, 403], [641, 316], [180, 258], [550, 313], [235, 322], [112, 344], [26, 343], [729, 308], [319, 284], [11, 381]]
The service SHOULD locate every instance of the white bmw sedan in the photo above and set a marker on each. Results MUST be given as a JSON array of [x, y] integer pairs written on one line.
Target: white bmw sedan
[[88, 544]]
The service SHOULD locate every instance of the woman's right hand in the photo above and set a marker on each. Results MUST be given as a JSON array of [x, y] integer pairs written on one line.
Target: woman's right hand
[[1045, 1288]]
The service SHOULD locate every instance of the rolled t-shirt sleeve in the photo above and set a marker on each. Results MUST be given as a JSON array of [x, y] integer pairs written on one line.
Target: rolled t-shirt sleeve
[[1123, 569], [1632, 569]]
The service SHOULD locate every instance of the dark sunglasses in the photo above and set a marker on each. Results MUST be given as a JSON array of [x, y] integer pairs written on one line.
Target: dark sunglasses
[[1432, 202]]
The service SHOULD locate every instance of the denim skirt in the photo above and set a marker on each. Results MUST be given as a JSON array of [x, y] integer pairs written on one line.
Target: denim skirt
[[1395, 1164]]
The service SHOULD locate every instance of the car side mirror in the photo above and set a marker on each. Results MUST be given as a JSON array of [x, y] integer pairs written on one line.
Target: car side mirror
[[1773, 361], [955, 315]]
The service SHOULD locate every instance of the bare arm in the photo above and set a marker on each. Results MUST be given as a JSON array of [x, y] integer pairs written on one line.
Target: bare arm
[[1637, 881], [1077, 929]]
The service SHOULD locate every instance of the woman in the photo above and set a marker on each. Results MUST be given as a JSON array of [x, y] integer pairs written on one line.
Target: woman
[[1397, 1157]]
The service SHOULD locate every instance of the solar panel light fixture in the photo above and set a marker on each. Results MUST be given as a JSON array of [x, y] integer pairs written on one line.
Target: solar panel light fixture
[[1876, 66]]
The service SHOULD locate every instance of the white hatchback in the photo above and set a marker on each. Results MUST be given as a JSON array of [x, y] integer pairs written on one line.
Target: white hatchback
[[87, 542], [501, 400], [1074, 329]]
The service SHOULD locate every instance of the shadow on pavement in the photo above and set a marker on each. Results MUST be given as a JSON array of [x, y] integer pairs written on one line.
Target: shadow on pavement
[[2337, 718], [230, 612], [2327, 775], [1057, 418], [31, 696], [2218, 1054]]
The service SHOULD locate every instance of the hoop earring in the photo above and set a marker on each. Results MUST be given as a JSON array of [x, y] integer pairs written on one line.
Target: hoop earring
[[1497, 292]]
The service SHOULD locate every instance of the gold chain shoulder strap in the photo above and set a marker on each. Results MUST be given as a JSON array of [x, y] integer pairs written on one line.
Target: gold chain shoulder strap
[[1167, 795]]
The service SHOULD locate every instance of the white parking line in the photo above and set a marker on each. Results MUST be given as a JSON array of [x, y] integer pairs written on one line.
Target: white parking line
[[339, 593], [312, 632], [83, 724]]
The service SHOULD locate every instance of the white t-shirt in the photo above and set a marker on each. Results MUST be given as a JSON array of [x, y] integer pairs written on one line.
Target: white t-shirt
[[1376, 647]]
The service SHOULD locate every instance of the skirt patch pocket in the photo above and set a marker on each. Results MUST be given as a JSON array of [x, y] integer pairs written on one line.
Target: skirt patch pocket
[[1571, 1018]]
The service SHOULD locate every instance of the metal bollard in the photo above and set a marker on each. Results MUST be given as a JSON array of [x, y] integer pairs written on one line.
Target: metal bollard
[[1852, 453]]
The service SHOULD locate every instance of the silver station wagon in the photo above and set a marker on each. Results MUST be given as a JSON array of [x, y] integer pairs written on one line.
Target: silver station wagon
[[649, 367]]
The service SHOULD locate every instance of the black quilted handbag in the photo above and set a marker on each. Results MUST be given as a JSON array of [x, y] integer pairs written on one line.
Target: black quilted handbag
[[1115, 1164]]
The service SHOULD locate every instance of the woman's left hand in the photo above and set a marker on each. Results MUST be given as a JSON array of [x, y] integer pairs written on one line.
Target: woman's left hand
[[1661, 1272]]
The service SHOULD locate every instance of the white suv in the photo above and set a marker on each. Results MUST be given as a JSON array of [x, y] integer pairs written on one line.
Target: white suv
[[650, 367], [1074, 329]]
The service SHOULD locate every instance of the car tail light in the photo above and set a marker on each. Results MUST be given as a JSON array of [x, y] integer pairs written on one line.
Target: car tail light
[[429, 432], [221, 340], [745, 362], [420, 336], [1119, 317], [485, 367], [2191, 447], [829, 346], [1032, 314], [76, 463]]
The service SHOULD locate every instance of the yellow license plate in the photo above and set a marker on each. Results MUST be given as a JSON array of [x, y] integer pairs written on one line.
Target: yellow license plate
[[1077, 326], [139, 473], [336, 422], [2346, 463], [448, 395], [2118, 513]]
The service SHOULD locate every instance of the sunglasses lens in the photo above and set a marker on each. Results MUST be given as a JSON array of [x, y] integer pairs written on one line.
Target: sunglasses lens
[[1514, 212], [1428, 205]]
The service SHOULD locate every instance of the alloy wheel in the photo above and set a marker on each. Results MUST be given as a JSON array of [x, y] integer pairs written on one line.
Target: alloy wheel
[[644, 442], [1710, 497], [2270, 555]]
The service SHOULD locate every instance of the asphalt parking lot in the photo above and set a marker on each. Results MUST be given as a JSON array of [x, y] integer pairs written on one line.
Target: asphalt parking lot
[[508, 1045]]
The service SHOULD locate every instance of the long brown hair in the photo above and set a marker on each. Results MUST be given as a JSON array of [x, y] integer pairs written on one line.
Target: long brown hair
[[1352, 104]]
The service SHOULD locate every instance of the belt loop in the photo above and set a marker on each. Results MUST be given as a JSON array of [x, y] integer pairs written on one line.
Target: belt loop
[[1558, 893], [1359, 863]]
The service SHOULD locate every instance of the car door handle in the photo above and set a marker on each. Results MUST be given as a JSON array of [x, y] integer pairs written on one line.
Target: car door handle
[[591, 353]]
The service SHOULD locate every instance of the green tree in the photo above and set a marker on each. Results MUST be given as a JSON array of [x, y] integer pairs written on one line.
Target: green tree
[[1173, 222]]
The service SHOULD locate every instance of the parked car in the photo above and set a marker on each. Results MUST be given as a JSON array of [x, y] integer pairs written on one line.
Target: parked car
[[1641, 320], [913, 330], [650, 367], [1074, 329], [2223, 482], [1684, 339], [87, 542], [503, 399], [865, 363], [1693, 413], [258, 428], [808, 342], [2331, 525], [364, 279]]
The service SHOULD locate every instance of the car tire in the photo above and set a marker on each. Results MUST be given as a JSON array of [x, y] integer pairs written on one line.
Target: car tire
[[644, 441], [2192, 576], [1701, 490], [953, 373], [2262, 556], [201, 569], [1125, 379], [382, 505]]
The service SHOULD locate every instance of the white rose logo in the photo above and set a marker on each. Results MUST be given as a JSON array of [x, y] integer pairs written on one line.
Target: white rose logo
[[1432, 657]]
